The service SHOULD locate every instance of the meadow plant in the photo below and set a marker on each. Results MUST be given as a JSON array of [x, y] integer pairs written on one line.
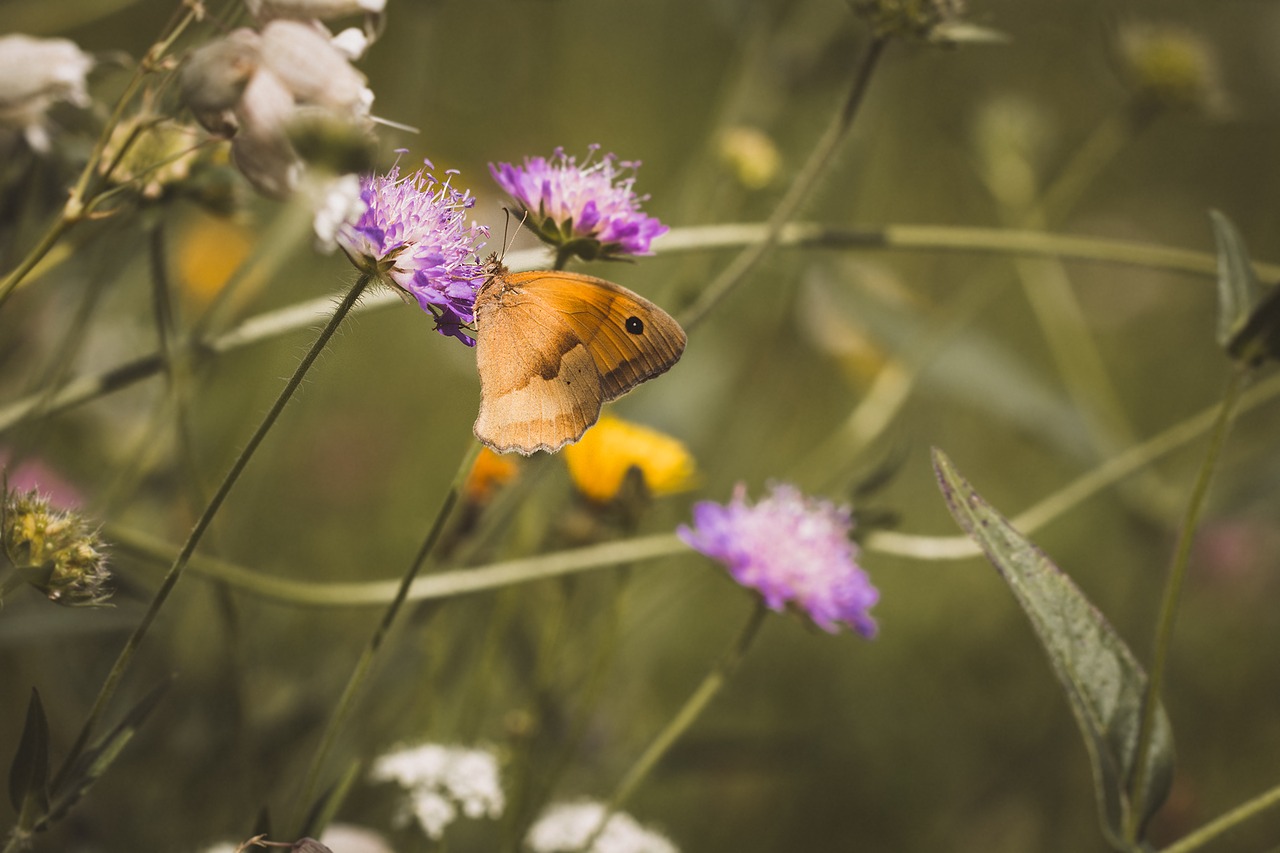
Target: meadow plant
[[267, 642]]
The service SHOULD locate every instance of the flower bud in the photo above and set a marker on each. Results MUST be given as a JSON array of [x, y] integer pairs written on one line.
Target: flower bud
[[909, 18], [311, 68], [1170, 67], [54, 550], [215, 76], [750, 155], [35, 74], [261, 149], [324, 10]]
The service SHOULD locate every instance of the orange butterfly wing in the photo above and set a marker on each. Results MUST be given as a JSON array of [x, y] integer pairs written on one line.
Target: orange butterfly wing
[[552, 347]]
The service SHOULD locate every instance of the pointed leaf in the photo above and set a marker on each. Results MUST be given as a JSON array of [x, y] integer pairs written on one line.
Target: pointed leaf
[[322, 811], [29, 773], [96, 759], [1238, 289], [1248, 311], [1102, 680]]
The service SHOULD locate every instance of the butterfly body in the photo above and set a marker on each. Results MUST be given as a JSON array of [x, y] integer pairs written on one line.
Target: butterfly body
[[553, 347]]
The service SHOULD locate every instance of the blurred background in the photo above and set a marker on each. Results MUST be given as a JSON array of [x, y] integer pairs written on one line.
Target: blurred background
[[948, 731]]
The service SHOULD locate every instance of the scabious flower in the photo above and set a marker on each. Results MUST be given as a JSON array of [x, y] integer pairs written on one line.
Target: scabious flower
[[599, 462], [565, 828], [440, 781], [793, 550], [54, 550], [413, 233], [588, 209]]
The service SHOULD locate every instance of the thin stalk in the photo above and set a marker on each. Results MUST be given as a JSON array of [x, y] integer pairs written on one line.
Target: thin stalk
[[819, 159], [1228, 821], [79, 203], [202, 524], [684, 718], [364, 666], [274, 324], [1172, 594]]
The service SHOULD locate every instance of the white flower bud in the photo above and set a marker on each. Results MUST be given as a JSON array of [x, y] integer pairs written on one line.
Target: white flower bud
[[314, 71], [261, 149], [34, 74], [351, 42], [324, 10], [214, 78]]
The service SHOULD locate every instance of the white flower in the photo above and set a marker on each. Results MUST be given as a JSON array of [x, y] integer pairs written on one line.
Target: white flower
[[442, 779], [35, 74], [335, 202], [565, 828]]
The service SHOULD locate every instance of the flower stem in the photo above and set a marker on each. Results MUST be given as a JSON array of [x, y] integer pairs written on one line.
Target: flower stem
[[274, 324], [821, 157], [346, 702], [79, 203], [684, 718], [202, 524], [1230, 820], [1172, 594]]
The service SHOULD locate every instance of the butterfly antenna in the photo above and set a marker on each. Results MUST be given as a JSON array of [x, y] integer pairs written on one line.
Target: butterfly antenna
[[507, 243]]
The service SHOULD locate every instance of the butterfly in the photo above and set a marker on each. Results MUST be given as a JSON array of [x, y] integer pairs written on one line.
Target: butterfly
[[553, 347]]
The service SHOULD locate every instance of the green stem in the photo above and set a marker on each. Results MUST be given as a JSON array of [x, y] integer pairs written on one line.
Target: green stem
[[346, 702], [1078, 490], [15, 276], [1228, 821], [79, 203], [821, 157], [293, 318], [1172, 594], [202, 524], [684, 718]]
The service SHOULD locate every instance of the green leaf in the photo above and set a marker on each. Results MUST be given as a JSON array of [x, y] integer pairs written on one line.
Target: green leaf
[[326, 806], [1103, 682], [29, 773], [95, 760], [1248, 311]]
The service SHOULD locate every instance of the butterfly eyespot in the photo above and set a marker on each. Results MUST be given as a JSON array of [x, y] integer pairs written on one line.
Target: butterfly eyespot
[[635, 325]]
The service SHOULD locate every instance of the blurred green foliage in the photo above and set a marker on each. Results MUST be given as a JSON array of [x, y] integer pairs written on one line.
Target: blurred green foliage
[[947, 732]]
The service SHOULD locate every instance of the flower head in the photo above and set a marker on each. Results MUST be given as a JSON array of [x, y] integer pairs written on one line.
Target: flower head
[[599, 462], [589, 210], [792, 550], [567, 827], [413, 233], [442, 779], [54, 550]]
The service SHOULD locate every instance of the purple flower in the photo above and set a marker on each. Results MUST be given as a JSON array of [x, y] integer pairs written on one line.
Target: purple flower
[[792, 550], [413, 233], [590, 209]]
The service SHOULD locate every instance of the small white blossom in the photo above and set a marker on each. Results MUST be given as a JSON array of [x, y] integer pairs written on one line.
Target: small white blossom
[[336, 203], [565, 828], [440, 779], [34, 75]]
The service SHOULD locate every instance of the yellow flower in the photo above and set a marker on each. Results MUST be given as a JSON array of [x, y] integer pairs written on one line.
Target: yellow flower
[[210, 250], [490, 472], [598, 464], [750, 155]]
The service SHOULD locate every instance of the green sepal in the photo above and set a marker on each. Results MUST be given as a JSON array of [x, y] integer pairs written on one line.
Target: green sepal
[[29, 772], [1103, 682]]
